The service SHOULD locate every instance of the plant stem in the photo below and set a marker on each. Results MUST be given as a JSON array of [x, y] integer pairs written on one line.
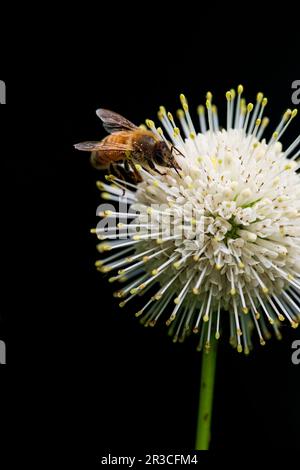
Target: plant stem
[[206, 396]]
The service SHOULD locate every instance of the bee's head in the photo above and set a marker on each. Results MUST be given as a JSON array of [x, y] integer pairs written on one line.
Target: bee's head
[[163, 156]]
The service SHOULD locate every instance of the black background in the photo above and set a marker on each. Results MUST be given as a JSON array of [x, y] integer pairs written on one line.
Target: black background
[[84, 374]]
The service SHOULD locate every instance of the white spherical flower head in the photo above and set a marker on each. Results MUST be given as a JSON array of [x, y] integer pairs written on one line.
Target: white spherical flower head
[[219, 238]]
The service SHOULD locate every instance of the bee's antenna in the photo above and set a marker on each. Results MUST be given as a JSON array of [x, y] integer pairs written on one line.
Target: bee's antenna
[[178, 151], [176, 168]]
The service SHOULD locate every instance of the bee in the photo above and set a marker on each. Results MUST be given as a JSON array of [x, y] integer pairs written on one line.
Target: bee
[[130, 145]]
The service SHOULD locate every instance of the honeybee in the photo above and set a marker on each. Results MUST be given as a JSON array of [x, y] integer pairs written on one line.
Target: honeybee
[[129, 144]]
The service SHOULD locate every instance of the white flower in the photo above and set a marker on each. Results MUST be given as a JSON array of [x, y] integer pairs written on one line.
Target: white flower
[[222, 240]]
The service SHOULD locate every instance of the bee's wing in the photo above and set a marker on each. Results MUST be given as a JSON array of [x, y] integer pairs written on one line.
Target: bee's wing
[[104, 146], [88, 146], [113, 122]]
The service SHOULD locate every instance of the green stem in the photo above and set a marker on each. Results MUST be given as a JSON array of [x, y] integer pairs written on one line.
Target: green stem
[[206, 396]]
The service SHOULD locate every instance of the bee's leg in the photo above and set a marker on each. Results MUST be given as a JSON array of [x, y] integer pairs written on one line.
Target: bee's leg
[[126, 166], [114, 170], [137, 178], [153, 168]]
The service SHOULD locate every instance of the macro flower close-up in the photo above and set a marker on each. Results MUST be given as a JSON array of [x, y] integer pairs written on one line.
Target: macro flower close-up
[[200, 226], [219, 238], [152, 236]]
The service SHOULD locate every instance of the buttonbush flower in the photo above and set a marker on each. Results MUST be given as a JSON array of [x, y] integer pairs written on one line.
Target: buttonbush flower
[[221, 239], [214, 240]]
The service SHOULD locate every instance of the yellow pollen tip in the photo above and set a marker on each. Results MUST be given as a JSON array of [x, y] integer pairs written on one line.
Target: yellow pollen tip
[[136, 237], [290, 277], [122, 304], [219, 267], [139, 313], [271, 321], [160, 131], [241, 265], [105, 195], [228, 96], [239, 348], [200, 109], [258, 122], [154, 272], [240, 89], [265, 290], [159, 241], [107, 213], [182, 99], [149, 210], [294, 324], [177, 300], [162, 110], [205, 318], [208, 104], [105, 269], [217, 335], [259, 97], [150, 123], [195, 291], [245, 310], [232, 91], [93, 231], [180, 113], [264, 102], [294, 113], [249, 107], [109, 177], [102, 248], [100, 185], [177, 265], [262, 342], [145, 259], [233, 292], [265, 121]]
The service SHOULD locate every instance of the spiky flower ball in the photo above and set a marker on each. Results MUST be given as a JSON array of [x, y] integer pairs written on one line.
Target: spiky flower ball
[[219, 241]]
